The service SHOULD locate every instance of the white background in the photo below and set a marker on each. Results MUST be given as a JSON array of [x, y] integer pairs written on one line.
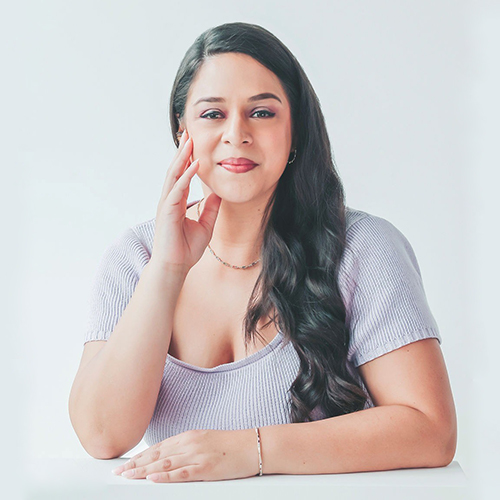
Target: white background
[[409, 92]]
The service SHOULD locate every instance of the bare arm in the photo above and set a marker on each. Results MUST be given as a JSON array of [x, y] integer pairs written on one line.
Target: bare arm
[[114, 394], [116, 387], [412, 425]]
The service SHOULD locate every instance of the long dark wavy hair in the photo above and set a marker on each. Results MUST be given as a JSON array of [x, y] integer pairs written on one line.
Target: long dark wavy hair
[[303, 229]]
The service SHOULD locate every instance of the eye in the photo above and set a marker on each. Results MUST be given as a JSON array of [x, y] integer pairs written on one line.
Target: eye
[[206, 115], [267, 115]]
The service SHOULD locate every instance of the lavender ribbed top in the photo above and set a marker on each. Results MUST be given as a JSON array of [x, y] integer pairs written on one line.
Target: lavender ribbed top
[[386, 308]]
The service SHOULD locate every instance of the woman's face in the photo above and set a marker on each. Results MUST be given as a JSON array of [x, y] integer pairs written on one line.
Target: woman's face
[[234, 123]]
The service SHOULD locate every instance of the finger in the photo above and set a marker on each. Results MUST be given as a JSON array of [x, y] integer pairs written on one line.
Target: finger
[[183, 138], [152, 454], [210, 212], [138, 461], [178, 164], [182, 141], [178, 191], [142, 458], [183, 474], [177, 168], [167, 463]]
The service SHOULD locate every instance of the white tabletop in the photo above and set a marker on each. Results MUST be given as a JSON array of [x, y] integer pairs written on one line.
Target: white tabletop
[[76, 478]]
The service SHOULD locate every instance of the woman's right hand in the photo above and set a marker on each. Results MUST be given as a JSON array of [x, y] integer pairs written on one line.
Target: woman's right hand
[[180, 242]]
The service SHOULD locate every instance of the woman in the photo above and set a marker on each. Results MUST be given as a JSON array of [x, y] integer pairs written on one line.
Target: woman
[[348, 373]]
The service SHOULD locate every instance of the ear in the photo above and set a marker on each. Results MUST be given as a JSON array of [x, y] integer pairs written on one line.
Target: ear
[[181, 124]]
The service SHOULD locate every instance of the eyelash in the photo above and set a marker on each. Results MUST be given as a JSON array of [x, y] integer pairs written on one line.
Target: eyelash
[[270, 114]]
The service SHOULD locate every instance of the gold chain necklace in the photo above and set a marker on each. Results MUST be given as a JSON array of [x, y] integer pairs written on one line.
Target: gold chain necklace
[[218, 258]]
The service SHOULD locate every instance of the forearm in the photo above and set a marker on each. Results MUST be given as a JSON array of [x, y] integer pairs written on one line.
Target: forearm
[[114, 395], [379, 438]]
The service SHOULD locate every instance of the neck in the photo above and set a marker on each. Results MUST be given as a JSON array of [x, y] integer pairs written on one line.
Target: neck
[[236, 237]]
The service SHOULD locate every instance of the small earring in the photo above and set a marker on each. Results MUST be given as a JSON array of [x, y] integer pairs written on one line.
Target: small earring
[[294, 156]]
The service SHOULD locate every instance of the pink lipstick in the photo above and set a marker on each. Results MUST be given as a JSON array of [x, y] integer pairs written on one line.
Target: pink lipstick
[[238, 165]]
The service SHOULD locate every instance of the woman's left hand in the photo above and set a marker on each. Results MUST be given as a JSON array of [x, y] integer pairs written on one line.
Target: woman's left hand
[[197, 455]]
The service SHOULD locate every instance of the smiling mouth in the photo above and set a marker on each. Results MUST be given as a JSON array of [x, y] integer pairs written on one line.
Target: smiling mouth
[[238, 168]]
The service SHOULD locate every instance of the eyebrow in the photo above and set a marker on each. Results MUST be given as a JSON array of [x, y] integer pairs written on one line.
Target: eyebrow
[[258, 97]]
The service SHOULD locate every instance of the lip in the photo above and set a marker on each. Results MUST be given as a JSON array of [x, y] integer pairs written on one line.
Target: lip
[[238, 165]]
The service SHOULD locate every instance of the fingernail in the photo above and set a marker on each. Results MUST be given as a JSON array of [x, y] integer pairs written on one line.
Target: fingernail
[[117, 470], [129, 473]]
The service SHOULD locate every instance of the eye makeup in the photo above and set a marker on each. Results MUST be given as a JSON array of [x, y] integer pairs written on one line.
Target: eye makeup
[[267, 114]]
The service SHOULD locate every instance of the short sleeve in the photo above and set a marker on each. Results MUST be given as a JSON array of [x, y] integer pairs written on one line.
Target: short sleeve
[[382, 288], [117, 275]]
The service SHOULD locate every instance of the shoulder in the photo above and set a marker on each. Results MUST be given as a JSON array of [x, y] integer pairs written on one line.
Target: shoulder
[[363, 225], [353, 215], [370, 234], [382, 288], [375, 245], [129, 250], [144, 233]]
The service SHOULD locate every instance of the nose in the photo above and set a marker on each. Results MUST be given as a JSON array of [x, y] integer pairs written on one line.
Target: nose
[[236, 130]]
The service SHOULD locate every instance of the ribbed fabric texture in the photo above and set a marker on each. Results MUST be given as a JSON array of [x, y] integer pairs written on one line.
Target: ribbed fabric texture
[[382, 289]]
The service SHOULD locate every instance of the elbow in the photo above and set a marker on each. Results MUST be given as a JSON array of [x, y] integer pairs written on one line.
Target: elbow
[[96, 441], [105, 448], [101, 453], [105, 454], [444, 446], [449, 450], [97, 447], [100, 449], [91, 440], [102, 446]]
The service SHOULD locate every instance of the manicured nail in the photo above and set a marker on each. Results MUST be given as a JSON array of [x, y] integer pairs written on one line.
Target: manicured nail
[[129, 473], [153, 477], [118, 470]]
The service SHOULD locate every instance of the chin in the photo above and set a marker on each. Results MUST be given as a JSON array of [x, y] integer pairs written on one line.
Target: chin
[[232, 192]]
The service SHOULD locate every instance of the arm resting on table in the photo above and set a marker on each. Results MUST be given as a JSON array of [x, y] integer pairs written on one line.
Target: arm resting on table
[[413, 423]]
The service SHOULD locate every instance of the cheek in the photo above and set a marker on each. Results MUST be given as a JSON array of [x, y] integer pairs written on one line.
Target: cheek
[[277, 138], [202, 146], [277, 150]]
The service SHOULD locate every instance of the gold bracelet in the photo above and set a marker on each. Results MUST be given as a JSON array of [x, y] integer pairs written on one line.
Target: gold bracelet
[[258, 448]]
